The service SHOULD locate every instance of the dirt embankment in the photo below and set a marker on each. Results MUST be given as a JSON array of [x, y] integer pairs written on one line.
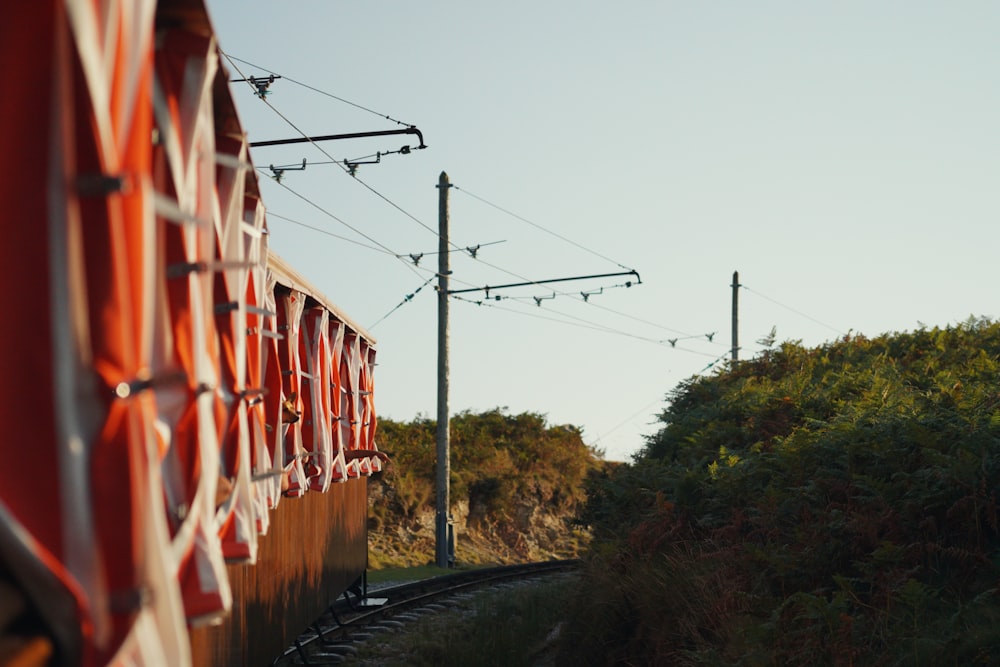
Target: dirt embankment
[[533, 533]]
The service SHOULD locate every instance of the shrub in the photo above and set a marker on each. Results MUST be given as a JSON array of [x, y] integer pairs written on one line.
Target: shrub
[[847, 494]]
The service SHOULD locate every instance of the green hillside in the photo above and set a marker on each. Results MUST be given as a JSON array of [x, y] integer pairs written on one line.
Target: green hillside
[[516, 485], [827, 506]]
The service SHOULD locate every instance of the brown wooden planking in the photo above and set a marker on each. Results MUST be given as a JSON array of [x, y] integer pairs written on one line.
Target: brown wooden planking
[[315, 548]]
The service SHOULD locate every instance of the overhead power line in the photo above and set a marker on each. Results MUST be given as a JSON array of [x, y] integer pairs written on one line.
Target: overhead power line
[[584, 296]]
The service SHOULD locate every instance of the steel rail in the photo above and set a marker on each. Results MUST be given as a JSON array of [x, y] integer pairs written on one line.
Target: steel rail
[[409, 596]]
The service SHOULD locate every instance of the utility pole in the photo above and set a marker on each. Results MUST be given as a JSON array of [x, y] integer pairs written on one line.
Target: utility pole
[[443, 439], [736, 316], [444, 539]]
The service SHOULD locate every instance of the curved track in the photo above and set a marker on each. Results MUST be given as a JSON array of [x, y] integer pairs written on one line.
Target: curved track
[[335, 635]]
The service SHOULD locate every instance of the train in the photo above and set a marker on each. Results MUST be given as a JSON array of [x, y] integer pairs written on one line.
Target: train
[[189, 424]]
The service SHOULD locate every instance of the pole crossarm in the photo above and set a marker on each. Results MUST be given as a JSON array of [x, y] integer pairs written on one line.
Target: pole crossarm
[[489, 288], [333, 137]]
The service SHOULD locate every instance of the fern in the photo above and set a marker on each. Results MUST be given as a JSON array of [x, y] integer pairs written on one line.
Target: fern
[[853, 489]]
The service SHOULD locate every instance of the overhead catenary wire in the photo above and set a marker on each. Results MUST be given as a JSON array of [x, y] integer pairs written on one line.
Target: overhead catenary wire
[[487, 288], [317, 90], [651, 323], [580, 322], [378, 247], [582, 295], [383, 249], [585, 295], [285, 77], [375, 192], [527, 221], [472, 250], [287, 120], [330, 157], [333, 160], [579, 296], [332, 216], [344, 167]]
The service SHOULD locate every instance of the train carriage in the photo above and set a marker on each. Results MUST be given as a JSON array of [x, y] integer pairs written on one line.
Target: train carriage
[[188, 422]]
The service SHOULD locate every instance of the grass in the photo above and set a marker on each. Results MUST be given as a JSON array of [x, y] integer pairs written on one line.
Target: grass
[[492, 629]]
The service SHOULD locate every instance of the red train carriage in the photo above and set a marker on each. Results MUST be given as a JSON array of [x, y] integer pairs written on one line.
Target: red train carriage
[[188, 422]]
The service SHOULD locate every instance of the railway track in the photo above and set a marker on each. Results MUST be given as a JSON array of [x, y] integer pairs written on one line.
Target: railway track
[[336, 636]]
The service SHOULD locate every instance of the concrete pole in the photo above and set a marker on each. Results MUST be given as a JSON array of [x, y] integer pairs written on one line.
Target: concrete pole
[[736, 316], [443, 479]]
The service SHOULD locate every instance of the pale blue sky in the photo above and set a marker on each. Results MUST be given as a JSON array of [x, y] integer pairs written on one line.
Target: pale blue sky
[[843, 157]]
